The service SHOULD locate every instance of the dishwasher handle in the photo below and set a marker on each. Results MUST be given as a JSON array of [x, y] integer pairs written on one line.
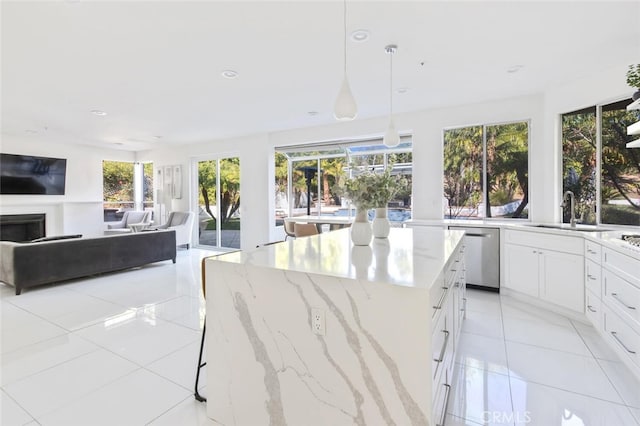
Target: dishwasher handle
[[477, 235]]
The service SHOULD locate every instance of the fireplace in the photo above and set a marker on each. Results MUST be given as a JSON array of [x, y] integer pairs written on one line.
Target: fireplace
[[22, 227]]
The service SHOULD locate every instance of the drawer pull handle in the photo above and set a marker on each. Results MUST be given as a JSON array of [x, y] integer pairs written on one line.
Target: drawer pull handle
[[591, 277], [444, 407], [444, 346], [615, 336], [444, 293], [615, 296], [590, 308]]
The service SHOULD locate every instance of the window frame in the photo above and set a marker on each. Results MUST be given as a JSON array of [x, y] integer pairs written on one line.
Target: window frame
[[484, 166], [598, 106]]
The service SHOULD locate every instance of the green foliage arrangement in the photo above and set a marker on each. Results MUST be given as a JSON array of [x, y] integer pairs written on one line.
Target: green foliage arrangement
[[370, 190], [633, 76]]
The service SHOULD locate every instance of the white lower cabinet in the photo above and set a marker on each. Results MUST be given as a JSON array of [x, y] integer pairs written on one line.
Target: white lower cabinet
[[532, 267], [612, 302], [522, 269], [448, 315], [562, 280]]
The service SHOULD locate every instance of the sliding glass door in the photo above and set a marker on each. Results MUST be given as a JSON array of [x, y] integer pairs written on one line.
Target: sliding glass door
[[218, 186]]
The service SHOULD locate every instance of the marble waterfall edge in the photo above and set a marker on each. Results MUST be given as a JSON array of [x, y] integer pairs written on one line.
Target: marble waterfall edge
[[266, 366]]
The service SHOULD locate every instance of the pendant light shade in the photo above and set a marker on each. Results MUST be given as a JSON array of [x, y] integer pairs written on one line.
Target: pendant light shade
[[391, 137], [345, 107]]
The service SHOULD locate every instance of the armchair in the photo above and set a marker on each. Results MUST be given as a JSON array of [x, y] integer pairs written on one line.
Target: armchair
[[182, 223], [129, 217]]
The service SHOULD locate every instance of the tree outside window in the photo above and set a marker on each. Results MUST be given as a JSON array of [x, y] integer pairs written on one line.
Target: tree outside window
[[486, 172], [617, 179]]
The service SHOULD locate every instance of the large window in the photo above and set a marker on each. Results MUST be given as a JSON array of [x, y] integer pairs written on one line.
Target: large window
[[126, 186], [305, 177], [603, 174], [486, 171], [218, 197]]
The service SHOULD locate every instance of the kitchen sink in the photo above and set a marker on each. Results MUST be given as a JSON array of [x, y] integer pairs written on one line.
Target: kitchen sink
[[583, 228]]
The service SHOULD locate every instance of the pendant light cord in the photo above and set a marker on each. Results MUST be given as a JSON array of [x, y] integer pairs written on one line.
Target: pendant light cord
[[390, 85], [344, 17]]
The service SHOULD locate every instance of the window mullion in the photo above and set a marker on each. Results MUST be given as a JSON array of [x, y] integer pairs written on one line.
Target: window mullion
[[598, 164]]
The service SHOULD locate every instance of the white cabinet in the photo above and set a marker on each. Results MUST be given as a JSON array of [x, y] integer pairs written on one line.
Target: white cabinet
[[562, 279], [549, 267], [612, 301], [522, 269], [448, 315]]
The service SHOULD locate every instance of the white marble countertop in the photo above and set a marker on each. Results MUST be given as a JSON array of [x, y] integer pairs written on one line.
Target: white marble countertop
[[607, 235], [409, 257]]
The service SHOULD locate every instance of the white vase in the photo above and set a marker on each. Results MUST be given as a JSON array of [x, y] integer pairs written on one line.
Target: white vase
[[361, 229], [381, 224]]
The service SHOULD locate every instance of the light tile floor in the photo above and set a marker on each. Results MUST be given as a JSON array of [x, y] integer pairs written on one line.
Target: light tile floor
[[121, 349]]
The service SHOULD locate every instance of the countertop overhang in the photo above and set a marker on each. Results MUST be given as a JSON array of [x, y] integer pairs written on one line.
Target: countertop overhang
[[409, 257]]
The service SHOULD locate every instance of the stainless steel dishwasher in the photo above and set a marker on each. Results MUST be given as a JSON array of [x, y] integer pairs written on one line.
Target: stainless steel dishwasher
[[482, 257]]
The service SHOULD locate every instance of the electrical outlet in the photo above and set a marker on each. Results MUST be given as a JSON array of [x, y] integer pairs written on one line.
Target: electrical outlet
[[317, 321]]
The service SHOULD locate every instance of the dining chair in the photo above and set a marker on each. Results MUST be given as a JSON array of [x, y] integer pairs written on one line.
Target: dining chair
[[289, 229], [305, 229]]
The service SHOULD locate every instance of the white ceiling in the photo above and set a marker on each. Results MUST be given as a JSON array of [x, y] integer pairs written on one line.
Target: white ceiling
[[154, 66]]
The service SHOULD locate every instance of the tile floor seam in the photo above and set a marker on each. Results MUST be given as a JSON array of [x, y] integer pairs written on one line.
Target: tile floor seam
[[84, 395], [171, 408], [53, 366], [506, 355], [622, 398], [620, 404], [601, 367], [18, 404], [551, 349], [38, 316]]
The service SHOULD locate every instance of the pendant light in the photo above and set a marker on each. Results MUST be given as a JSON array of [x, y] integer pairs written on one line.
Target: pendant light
[[345, 107], [391, 137]]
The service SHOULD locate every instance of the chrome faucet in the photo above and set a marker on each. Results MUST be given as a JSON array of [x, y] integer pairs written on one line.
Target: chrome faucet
[[572, 199]]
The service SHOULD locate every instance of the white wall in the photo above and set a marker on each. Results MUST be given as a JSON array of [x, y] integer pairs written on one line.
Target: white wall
[[79, 211], [84, 167]]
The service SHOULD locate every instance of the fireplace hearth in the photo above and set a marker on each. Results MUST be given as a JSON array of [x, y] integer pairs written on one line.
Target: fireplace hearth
[[22, 227]]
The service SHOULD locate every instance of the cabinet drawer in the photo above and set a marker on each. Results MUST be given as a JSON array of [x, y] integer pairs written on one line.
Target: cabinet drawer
[[440, 401], [592, 276], [625, 266], [622, 296], [573, 245], [438, 294], [592, 251], [593, 308], [623, 337], [441, 345]]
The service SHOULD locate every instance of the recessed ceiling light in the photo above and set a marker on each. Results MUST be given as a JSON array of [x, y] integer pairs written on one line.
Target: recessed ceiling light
[[229, 74], [98, 112], [402, 90], [360, 36], [313, 113], [514, 68]]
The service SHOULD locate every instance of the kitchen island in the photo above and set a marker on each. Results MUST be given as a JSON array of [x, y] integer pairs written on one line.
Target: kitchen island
[[316, 331]]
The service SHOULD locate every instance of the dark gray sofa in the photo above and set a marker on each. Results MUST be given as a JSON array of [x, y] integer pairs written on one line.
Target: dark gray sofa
[[24, 265]]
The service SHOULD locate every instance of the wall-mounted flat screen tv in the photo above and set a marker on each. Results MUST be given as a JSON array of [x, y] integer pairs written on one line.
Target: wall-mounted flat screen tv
[[27, 174]]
